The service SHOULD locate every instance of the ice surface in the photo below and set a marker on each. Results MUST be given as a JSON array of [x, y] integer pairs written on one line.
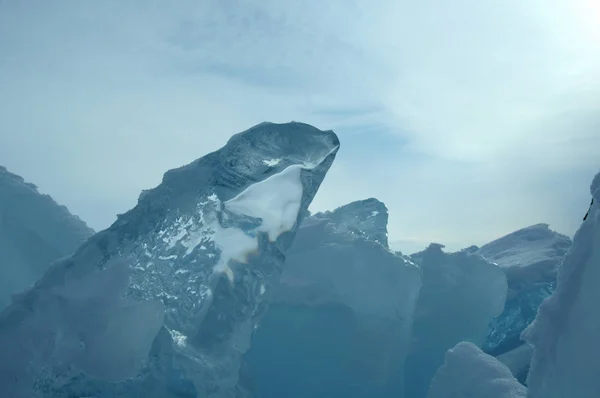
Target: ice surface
[[461, 294], [518, 361], [530, 258], [564, 334], [34, 231], [184, 276], [340, 322], [535, 246], [470, 373]]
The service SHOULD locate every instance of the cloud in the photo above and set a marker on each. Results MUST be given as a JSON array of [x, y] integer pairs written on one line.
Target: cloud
[[467, 118]]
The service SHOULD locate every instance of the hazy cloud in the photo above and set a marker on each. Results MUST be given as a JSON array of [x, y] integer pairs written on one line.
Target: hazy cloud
[[469, 119]]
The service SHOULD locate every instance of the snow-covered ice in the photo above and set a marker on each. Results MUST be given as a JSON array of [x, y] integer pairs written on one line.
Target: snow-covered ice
[[566, 360], [518, 361], [470, 373]]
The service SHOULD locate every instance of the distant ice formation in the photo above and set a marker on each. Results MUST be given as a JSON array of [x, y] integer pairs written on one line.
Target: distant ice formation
[[530, 257], [34, 231]]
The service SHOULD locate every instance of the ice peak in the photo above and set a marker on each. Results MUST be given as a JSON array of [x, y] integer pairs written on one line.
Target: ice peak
[[533, 232], [527, 246], [432, 249], [14, 188], [7, 176], [435, 247], [34, 231], [367, 218]]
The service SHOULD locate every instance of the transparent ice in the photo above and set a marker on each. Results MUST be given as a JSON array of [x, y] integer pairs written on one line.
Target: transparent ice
[[164, 302]]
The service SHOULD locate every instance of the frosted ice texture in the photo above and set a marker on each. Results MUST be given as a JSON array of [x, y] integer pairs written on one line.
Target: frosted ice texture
[[367, 218], [518, 361], [340, 322], [469, 372], [564, 335], [185, 275], [461, 294]]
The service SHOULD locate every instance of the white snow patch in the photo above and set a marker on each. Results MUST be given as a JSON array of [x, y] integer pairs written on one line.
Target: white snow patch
[[271, 162], [171, 257], [469, 372], [275, 200], [234, 244], [174, 239], [178, 338], [193, 233]]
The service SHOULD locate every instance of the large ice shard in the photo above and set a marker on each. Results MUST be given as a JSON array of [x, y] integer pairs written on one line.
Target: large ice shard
[[186, 275], [34, 231], [530, 257], [462, 292], [469, 372], [340, 322], [564, 334]]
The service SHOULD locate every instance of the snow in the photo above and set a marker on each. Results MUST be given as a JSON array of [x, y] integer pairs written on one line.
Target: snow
[[271, 162], [275, 200], [565, 332], [178, 338], [234, 244], [470, 373]]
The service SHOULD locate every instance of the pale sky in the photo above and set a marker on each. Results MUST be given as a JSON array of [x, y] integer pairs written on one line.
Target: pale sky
[[468, 118]]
